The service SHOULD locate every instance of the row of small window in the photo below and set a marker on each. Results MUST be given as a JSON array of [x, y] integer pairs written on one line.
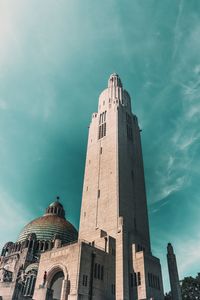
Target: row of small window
[[98, 271], [54, 210], [102, 118], [102, 131], [98, 274], [135, 279], [39, 246], [102, 127], [154, 281]]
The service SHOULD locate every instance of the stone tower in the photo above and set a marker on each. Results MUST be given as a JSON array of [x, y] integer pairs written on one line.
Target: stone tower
[[114, 198], [173, 273]]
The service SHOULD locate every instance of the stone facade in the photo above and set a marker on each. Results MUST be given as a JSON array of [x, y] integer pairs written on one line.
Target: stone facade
[[112, 258], [88, 271]]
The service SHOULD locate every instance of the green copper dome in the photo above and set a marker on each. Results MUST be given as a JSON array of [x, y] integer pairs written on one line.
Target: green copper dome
[[51, 224]]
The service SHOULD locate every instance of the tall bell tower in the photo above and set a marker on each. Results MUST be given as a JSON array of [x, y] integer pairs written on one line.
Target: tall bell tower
[[173, 273], [114, 196]]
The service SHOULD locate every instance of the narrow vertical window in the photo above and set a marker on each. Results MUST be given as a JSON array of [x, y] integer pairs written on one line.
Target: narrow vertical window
[[102, 272], [104, 129], [135, 279], [138, 278], [102, 125], [84, 281], [99, 132], [99, 272], [129, 127], [95, 271]]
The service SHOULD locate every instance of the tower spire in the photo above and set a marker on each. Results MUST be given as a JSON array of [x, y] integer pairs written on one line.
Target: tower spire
[[173, 273], [114, 80]]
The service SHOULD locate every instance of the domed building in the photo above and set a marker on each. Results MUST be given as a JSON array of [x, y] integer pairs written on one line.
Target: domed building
[[52, 223], [19, 261]]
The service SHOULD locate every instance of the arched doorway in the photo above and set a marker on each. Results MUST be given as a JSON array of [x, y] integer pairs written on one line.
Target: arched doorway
[[56, 285]]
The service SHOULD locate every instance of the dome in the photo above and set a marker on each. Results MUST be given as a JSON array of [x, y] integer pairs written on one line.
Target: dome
[[51, 224]]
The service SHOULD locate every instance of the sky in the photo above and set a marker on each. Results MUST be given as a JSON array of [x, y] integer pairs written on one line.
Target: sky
[[55, 59]]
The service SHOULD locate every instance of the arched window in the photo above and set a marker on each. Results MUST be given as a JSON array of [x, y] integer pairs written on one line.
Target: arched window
[[42, 246], [30, 283]]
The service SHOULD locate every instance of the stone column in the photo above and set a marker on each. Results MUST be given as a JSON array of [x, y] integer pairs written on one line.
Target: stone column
[[64, 291], [122, 280]]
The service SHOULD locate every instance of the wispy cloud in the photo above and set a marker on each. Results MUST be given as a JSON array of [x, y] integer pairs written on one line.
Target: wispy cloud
[[179, 145], [177, 29], [188, 257]]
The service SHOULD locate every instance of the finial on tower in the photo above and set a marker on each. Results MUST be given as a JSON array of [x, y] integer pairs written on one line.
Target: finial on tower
[[170, 249], [114, 81]]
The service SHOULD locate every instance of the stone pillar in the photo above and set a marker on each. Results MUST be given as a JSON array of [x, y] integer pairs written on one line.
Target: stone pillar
[[64, 291], [40, 293], [173, 273], [26, 286], [122, 280], [57, 243]]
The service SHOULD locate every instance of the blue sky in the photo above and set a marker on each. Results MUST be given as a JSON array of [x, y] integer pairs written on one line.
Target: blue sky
[[55, 59]]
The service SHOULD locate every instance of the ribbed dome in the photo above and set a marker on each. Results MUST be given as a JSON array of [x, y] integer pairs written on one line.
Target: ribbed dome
[[51, 224]]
